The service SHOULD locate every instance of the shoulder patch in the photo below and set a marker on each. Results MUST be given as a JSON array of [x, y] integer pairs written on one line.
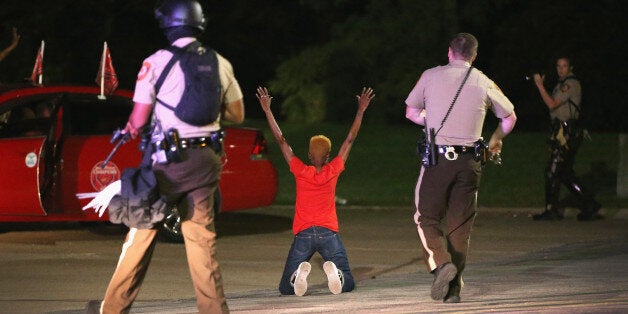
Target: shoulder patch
[[143, 71], [564, 87]]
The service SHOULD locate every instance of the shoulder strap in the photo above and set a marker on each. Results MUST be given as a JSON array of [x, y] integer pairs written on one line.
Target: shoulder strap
[[177, 52], [466, 76], [176, 55]]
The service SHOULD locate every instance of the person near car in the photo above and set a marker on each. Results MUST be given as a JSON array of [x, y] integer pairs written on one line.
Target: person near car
[[315, 223], [566, 136], [14, 42], [190, 183], [453, 99]]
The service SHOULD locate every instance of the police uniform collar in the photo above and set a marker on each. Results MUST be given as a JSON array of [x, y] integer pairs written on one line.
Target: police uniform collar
[[183, 41], [460, 62], [567, 77]]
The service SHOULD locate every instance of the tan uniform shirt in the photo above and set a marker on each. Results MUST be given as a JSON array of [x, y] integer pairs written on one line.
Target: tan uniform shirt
[[435, 91], [173, 88], [565, 91]]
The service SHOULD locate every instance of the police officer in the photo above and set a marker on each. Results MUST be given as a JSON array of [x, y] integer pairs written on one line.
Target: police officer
[[190, 183], [565, 139], [453, 100]]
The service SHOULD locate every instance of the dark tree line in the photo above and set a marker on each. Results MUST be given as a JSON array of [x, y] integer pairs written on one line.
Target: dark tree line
[[315, 55]]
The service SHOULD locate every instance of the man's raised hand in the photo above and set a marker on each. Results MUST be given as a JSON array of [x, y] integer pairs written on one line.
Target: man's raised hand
[[365, 98], [263, 97]]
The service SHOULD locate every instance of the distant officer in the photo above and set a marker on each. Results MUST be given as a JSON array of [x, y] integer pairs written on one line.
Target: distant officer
[[453, 100], [565, 139], [189, 183]]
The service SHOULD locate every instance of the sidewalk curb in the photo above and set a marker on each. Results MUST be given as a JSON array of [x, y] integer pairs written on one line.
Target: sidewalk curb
[[614, 213]]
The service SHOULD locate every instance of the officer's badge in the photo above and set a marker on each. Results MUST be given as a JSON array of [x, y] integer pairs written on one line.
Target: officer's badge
[[564, 87]]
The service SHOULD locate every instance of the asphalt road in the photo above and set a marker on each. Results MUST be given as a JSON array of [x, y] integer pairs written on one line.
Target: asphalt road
[[515, 265]]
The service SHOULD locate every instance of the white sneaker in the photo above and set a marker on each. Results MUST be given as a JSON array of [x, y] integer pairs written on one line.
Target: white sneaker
[[334, 277], [300, 279]]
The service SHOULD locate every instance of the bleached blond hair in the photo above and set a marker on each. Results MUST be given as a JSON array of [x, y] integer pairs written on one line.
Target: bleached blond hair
[[320, 145]]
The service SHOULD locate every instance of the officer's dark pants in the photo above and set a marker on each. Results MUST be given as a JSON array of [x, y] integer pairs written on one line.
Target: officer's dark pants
[[447, 191], [559, 171], [191, 185]]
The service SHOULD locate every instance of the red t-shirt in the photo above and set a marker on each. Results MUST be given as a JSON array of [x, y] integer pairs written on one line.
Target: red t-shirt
[[316, 193]]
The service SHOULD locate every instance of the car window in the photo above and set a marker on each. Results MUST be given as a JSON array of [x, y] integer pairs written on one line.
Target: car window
[[29, 117], [88, 115]]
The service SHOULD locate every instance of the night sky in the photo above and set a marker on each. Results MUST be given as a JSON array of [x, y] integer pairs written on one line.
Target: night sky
[[334, 47]]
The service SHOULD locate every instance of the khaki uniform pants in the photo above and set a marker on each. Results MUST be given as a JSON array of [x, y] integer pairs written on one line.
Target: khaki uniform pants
[[191, 185]]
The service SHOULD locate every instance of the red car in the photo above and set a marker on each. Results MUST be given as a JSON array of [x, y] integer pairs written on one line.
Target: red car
[[54, 139]]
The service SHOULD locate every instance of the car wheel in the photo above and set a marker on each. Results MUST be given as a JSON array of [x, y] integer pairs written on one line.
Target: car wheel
[[170, 228]]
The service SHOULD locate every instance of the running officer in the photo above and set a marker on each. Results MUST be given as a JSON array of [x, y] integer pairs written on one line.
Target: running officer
[[453, 100]]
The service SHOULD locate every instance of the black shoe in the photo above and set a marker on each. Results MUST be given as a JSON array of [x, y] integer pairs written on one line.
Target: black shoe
[[590, 214], [443, 275], [548, 214], [453, 296], [93, 307]]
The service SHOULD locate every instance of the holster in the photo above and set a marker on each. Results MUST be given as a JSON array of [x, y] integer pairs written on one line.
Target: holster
[[565, 134], [426, 149], [481, 152]]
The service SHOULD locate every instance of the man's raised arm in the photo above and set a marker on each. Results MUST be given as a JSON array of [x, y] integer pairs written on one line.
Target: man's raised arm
[[363, 102], [265, 100]]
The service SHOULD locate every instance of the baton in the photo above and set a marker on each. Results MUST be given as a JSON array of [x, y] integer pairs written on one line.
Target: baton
[[121, 138]]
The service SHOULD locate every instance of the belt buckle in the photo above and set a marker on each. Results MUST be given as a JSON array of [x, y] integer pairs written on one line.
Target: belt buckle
[[450, 153]]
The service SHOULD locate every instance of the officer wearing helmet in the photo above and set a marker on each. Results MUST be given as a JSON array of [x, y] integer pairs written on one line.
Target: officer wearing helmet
[[189, 183]]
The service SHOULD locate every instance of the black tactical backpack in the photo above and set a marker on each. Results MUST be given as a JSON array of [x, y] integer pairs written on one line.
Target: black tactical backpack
[[201, 100]]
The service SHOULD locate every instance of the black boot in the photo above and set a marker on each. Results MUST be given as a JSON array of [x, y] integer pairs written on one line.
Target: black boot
[[548, 214], [453, 295], [442, 276], [590, 213]]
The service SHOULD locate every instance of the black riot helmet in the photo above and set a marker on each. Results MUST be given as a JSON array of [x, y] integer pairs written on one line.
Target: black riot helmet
[[172, 13]]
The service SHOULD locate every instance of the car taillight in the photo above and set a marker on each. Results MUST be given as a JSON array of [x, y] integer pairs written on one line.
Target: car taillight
[[260, 148]]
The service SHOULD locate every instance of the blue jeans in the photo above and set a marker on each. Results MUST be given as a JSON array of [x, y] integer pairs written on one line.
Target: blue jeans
[[309, 241]]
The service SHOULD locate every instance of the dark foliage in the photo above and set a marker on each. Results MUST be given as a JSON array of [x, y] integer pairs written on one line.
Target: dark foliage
[[384, 44]]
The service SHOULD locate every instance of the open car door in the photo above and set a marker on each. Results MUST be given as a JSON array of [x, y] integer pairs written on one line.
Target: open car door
[[27, 142]]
